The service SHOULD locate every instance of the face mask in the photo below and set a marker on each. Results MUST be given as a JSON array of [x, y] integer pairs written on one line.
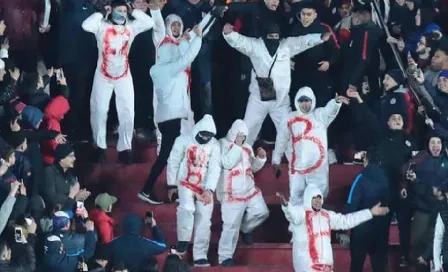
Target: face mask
[[118, 18], [271, 44], [204, 137]]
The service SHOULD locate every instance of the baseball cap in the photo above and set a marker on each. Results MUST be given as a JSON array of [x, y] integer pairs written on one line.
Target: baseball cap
[[104, 200], [61, 219]]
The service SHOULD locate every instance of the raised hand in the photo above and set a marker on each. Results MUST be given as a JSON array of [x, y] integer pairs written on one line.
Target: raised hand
[[228, 28]]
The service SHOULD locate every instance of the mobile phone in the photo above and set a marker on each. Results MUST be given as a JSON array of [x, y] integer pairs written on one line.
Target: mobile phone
[[173, 249], [18, 235], [28, 219], [58, 74], [79, 208], [150, 214]]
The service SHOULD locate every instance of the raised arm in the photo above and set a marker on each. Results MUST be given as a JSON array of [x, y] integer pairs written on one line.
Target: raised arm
[[158, 31], [294, 214], [348, 221], [328, 113], [93, 23], [230, 154], [243, 44], [299, 44], [142, 22]]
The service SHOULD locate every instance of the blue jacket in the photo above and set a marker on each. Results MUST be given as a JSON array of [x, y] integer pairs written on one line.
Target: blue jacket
[[131, 248], [63, 262], [370, 187]]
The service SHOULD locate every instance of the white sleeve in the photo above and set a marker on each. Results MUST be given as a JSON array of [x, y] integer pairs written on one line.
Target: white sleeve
[[281, 141], [230, 157], [174, 161], [244, 44], [158, 31], [438, 241], [4, 53], [340, 221], [299, 44], [256, 162], [142, 22], [214, 167], [328, 113], [294, 214], [93, 23], [187, 57]]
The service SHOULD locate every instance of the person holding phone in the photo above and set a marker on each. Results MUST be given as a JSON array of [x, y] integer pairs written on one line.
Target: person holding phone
[[421, 177], [242, 205]]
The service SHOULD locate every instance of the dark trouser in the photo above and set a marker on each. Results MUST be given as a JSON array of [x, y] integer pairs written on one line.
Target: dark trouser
[[202, 76], [170, 130], [422, 237], [375, 245], [25, 60], [80, 80], [403, 209]]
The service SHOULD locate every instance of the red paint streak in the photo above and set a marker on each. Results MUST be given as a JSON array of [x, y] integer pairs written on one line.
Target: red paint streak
[[364, 45], [195, 163], [333, 36], [314, 255], [111, 33], [235, 173], [170, 40], [313, 236], [304, 136]]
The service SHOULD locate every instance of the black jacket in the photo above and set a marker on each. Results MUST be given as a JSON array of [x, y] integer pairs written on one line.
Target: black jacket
[[362, 48], [131, 248], [8, 91], [26, 263], [369, 188], [56, 187]]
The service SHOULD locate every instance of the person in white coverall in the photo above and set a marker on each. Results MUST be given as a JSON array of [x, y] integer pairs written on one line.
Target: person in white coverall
[[303, 135], [269, 53], [242, 204], [171, 31], [193, 172], [114, 33], [312, 226]]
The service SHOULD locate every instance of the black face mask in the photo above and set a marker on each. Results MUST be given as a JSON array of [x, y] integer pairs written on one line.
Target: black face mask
[[271, 45], [204, 137]]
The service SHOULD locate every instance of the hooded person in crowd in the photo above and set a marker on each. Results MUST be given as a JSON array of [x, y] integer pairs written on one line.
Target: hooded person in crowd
[[22, 166], [56, 259], [114, 38], [53, 115], [372, 237], [242, 205], [312, 67], [313, 252], [59, 185], [271, 57], [101, 216], [303, 137], [132, 249], [62, 227], [193, 172]]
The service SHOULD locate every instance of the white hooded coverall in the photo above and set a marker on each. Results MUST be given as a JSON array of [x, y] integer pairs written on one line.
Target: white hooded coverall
[[312, 251], [113, 75], [193, 167], [255, 49], [304, 138], [162, 35], [242, 204]]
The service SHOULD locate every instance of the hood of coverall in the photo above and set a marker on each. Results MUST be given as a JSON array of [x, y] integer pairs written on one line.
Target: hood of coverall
[[238, 127], [310, 192], [170, 19], [205, 124], [305, 91]]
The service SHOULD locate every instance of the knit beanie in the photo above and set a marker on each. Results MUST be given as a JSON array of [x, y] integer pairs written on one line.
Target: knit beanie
[[62, 151], [444, 73], [397, 75]]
